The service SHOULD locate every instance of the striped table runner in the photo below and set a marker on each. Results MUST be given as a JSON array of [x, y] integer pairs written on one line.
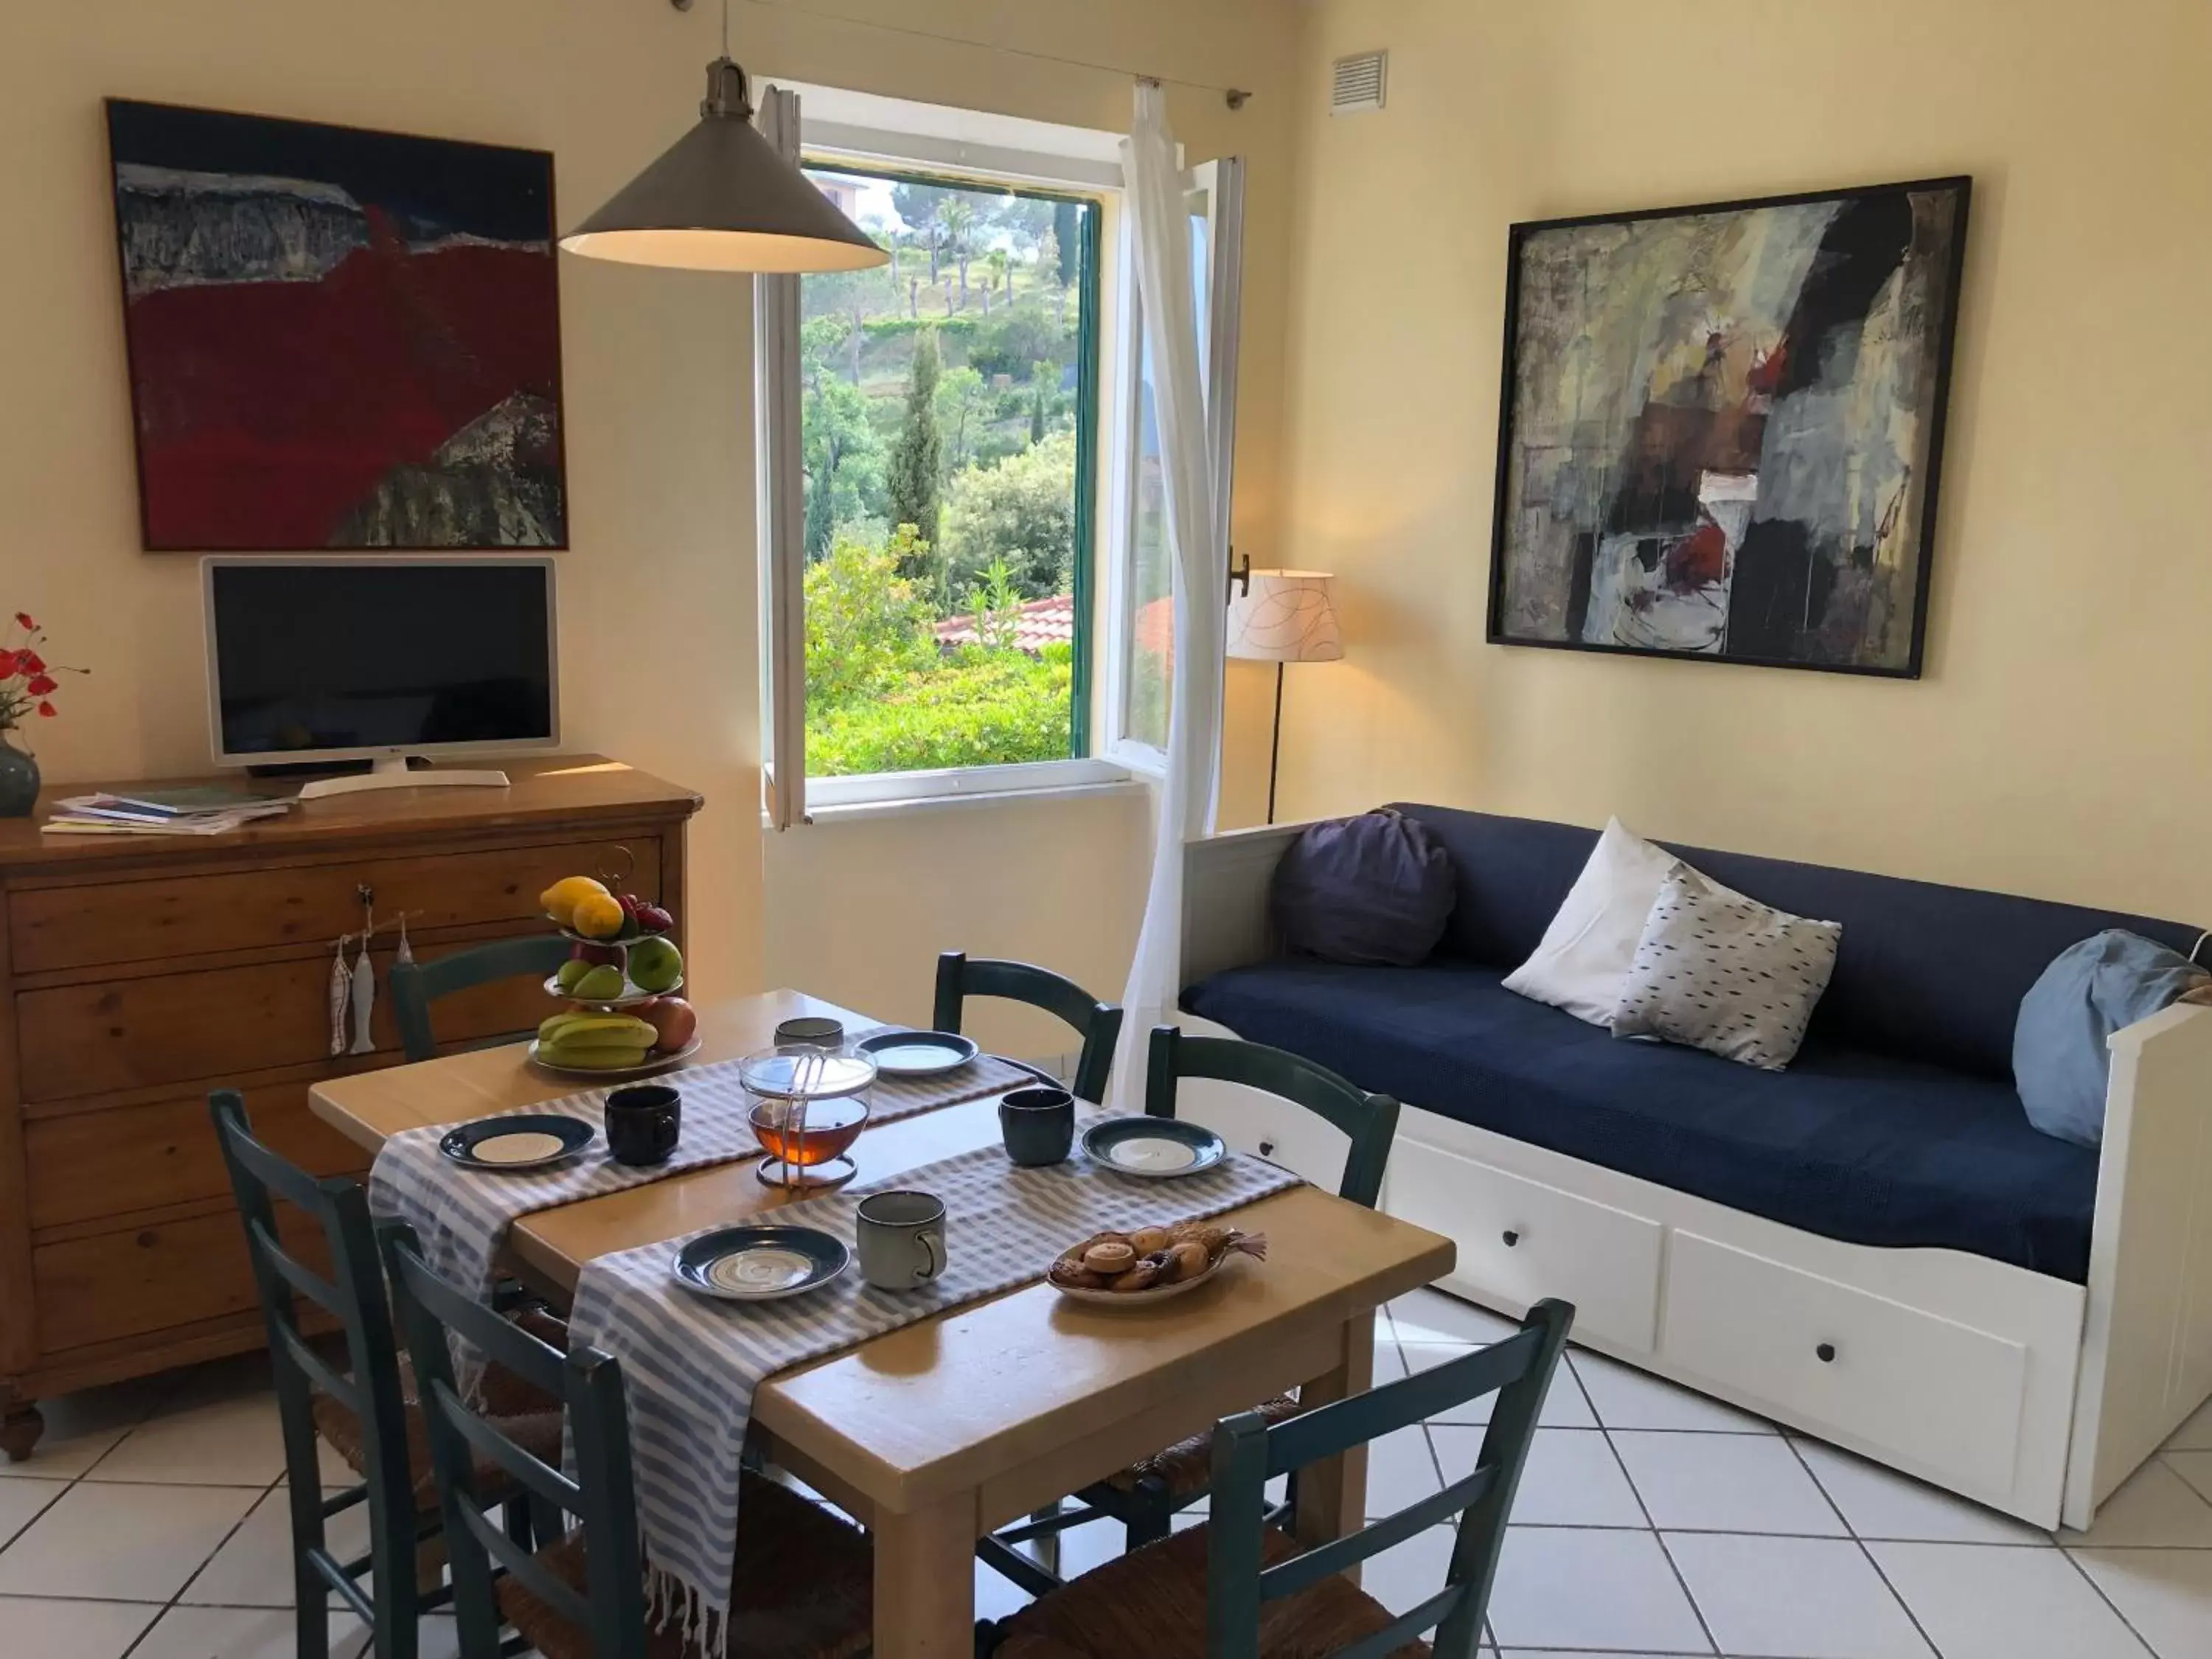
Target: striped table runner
[[691, 1365], [463, 1215]]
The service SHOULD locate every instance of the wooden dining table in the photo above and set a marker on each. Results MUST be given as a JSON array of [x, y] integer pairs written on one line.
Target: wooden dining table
[[935, 1434]]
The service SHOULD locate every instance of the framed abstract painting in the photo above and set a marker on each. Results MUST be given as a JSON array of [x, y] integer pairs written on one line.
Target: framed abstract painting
[[1722, 427], [338, 338]]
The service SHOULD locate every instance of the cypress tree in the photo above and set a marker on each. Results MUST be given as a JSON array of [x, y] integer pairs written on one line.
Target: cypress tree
[[918, 458], [1066, 229]]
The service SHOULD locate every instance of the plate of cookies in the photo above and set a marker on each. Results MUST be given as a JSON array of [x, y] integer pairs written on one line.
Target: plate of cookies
[[1152, 1264]]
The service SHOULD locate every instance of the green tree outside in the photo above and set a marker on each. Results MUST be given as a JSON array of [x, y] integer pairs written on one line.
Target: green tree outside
[[918, 458]]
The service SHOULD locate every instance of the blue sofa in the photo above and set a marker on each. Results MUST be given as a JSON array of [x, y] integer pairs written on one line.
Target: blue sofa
[[1898, 1124]]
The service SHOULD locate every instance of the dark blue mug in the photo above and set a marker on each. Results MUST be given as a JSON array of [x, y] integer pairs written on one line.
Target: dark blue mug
[[1038, 1125], [644, 1123]]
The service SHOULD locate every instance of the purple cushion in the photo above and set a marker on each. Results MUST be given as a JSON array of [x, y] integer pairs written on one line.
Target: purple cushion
[[1375, 890]]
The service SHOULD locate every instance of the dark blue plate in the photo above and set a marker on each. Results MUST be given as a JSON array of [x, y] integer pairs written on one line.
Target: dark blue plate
[[1153, 1148], [916, 1053], [760, 1263], [524, 1140]]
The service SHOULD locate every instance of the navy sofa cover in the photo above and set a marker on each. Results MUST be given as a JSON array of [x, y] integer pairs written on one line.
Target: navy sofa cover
[[1897, 1124]]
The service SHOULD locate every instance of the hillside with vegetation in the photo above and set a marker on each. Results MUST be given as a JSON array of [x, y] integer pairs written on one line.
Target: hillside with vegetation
[[940, 414]]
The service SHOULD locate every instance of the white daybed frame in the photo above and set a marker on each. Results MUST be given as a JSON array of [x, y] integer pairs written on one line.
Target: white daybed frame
[[2033, 1395]]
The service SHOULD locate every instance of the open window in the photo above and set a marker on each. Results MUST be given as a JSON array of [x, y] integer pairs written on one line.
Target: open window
[[955, 507]]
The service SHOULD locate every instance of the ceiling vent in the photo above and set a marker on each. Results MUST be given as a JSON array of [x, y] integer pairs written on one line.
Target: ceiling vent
[[1356, 83]]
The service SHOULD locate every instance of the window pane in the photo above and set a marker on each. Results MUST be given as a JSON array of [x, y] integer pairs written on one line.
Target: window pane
[[940, 416], [1148, 684]]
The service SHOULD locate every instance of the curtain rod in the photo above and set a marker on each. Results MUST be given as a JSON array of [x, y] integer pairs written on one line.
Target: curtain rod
[[1235, 97]]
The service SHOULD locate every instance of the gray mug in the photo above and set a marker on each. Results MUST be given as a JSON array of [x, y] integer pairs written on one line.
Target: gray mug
[[901, 1239]]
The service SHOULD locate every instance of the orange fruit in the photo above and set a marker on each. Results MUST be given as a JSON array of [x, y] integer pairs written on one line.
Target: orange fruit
[[598, 916]]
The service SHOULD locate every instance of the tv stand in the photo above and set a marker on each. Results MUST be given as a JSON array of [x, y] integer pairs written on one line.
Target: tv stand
[[391, 772]]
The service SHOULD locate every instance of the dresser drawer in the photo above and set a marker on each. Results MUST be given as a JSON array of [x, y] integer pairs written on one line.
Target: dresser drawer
[[90, 1164], [1520, 1241], [152, 1278], [1920, 1386], [56, 927], [223, 1022]]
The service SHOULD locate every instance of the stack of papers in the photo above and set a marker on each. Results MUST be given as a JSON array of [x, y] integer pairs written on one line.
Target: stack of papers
[[201, 810]]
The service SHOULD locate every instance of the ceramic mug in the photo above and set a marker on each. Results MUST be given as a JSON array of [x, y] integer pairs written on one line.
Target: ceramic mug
[[901, 1239], [1038, 1126], [644, 1123]]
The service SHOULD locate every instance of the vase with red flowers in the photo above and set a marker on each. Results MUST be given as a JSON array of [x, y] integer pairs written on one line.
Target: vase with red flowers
[[26, 693]]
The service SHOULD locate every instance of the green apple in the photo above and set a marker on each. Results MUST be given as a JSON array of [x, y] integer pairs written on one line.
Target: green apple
[[655, 965], [601, 984]]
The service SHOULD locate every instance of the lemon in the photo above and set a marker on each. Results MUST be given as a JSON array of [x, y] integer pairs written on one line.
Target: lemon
[[559, 901], [598, 916]]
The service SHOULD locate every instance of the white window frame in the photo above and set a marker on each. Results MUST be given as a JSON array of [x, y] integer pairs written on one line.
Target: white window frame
[[887, 133]]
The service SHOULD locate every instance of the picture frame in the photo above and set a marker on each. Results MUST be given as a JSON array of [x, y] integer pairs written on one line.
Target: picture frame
[[1720, 428]]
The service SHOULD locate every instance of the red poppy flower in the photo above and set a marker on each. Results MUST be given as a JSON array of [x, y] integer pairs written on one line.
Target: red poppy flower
[[48, 710], [24, 618], [42, 686], [7, 662], [30, 662]]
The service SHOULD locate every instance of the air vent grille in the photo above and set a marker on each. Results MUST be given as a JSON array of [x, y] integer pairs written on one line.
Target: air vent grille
[[1356, 83]]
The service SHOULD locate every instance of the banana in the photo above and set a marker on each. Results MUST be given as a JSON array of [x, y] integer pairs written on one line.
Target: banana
[[577, 1028], [591, 1058]]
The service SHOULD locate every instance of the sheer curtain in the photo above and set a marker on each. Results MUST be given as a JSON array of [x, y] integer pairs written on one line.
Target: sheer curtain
[[1160, 222]]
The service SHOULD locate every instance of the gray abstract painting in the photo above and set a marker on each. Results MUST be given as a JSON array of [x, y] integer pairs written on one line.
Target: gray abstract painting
[[1722, 428]]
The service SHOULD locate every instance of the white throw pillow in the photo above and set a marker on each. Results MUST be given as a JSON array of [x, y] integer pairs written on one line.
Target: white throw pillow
[[1586, 950], [1726, 973]]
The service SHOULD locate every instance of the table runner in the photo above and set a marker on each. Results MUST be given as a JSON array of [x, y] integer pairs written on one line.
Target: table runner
[[691, 1365], [462, 1216]]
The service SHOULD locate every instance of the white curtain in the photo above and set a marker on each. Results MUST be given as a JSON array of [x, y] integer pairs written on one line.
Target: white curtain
[[1160, 217]]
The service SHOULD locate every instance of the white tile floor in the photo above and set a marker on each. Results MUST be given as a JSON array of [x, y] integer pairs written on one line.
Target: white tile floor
[[1650, 1523]]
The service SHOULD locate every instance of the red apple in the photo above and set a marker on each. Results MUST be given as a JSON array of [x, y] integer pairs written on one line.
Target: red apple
[[671, 1017], [612, 955], [651, 918]]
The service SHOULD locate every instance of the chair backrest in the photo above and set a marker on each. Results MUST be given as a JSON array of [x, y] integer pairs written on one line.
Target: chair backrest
[[1248, 1453], [1370, 1122], [368, 1386], [1099, 1023], [603, 1496], [416, 985]]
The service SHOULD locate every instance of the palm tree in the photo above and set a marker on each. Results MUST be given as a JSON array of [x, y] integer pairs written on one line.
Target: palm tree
[[958, 215]]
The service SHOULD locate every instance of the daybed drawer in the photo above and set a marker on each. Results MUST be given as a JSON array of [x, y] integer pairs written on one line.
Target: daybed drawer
[[1918, 1384], [1520, 1241]]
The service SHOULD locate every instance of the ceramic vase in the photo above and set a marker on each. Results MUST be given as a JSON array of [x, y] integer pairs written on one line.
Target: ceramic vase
[[19, 781]]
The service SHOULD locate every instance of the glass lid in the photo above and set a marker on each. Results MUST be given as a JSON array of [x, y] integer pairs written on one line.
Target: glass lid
[[797, 1071]]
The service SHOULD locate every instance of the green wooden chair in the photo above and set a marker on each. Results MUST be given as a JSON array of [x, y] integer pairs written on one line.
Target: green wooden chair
[[1144, 1497], [416, 986], [1238, 1588], [367, 1394], [1098, 1024], [804, 1581]]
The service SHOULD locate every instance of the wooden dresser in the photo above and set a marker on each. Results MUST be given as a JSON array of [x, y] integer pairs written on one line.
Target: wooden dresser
[[136, 973]]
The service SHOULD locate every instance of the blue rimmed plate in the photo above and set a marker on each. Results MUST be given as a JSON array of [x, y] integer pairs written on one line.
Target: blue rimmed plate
[[526, 1140], [917, 1053], [760, 1263], [1153, 1148]]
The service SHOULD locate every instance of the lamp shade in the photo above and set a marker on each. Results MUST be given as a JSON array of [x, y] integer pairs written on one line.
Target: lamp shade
[[721, 198], [1286, 615]]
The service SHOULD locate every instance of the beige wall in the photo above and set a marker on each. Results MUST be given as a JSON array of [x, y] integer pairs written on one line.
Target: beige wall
[[658, 605], [2058, 743]]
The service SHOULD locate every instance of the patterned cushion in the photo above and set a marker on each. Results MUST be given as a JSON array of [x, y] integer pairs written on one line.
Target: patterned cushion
[[1725, 974]]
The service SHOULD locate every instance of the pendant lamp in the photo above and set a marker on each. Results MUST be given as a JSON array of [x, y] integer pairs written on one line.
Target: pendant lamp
[[721, 198]]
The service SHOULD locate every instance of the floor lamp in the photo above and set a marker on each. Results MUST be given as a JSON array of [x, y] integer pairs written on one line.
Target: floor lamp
[[1283, 616]]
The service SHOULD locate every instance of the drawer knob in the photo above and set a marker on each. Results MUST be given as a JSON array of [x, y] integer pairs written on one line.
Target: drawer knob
[[1511, 1239], [1826, 1353], [1267, 1149]]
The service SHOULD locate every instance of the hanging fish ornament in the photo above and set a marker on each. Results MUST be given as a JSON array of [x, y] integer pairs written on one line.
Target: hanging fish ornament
[[364, 1000], [341, 986]]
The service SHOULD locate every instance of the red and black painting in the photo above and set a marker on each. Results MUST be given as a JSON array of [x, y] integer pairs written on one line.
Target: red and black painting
[[338, 338], [1722, 428]]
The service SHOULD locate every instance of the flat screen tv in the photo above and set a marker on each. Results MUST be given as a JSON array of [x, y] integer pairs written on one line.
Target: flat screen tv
[[379, 658]]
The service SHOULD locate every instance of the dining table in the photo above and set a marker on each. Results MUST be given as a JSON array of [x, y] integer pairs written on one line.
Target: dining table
[[935, 1434]]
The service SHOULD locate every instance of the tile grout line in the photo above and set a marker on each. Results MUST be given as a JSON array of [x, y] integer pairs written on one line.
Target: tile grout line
[[1641, 1507], [1845, 1521], [2098, 1589], [192, 1577]]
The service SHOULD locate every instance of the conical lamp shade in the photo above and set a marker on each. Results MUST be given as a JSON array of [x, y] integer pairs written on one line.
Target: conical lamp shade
[[721, 200]]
